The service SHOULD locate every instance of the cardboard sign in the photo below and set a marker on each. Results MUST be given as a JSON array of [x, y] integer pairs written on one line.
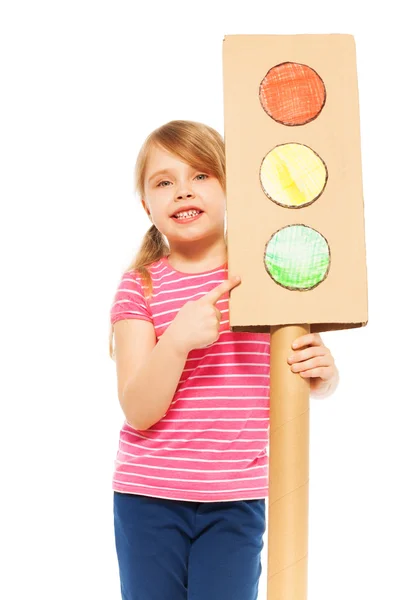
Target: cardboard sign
[[295, 212]]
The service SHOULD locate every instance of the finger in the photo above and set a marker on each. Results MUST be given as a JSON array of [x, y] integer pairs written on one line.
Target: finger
[[310, 339], [307, 353], [320, 372], [319, 361], [218, 313], [214, 295]]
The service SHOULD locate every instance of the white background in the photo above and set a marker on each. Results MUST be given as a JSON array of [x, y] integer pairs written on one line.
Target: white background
[[82, 84]]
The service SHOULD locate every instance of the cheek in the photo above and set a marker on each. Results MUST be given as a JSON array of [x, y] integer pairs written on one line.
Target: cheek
[[217, 201], [153, 207], [160, 215], [223, 209]]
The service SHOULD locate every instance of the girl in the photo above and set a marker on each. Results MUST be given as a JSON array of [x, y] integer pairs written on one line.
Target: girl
[[191, 472]]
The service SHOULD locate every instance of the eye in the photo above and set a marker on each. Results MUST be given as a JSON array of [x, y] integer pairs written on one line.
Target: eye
[[159, 184], [202, 175]]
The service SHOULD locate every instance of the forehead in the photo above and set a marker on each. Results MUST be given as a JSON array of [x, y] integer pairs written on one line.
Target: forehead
[[162, 159]]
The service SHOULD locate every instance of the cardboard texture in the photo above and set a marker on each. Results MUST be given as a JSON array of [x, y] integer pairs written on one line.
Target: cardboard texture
[[339, 300], [295, 230], [288, 472]]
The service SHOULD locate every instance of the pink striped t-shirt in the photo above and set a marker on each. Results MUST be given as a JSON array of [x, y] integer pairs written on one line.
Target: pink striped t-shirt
[[212, 443]]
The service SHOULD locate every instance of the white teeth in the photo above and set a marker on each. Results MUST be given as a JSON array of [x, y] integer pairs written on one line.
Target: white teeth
[[187, 214]]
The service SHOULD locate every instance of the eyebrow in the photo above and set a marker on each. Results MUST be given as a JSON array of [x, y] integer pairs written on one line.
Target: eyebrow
[[163, 172], [170, 171]]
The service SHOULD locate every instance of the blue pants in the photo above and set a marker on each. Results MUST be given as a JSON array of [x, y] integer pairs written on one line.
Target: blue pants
[[180, 550]]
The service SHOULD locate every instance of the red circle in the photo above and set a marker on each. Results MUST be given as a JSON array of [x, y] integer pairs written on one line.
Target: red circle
[[292, 93]]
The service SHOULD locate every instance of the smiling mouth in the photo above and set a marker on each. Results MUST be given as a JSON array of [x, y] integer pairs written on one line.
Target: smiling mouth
[[188, 215]]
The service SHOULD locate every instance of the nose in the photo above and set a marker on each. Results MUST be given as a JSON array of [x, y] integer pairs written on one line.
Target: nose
[[184, 190], [182, 195]]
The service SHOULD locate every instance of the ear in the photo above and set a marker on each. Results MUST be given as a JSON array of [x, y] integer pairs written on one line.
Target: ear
[[146, 209]]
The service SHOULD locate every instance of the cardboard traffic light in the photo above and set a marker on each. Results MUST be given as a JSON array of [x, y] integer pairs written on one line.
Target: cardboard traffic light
[[295, 230]]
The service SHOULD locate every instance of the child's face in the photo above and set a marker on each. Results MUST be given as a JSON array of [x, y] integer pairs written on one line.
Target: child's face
[[180, 187]]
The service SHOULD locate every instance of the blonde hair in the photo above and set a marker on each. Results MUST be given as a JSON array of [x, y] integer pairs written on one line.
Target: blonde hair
[[199, 145]]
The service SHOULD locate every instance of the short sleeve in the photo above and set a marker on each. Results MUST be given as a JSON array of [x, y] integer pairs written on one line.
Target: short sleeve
[[129, 301]]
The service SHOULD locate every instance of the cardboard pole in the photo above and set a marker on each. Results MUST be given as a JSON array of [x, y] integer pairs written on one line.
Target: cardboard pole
[[288, 471]]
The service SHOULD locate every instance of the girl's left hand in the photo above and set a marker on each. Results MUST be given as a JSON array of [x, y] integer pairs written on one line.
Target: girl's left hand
[[315, 362]]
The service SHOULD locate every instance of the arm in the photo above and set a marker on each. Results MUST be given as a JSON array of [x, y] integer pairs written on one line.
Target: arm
[[148, 372]]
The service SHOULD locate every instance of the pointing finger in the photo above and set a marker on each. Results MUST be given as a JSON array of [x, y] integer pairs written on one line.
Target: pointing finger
[[214, 295]]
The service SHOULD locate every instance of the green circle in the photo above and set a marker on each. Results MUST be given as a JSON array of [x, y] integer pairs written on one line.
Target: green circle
[[297, 257]]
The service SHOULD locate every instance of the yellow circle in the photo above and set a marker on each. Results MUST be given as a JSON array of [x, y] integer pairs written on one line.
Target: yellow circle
[[293, 175]]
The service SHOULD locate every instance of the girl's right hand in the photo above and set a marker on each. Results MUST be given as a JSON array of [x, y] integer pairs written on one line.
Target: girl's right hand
[[197, 323]]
